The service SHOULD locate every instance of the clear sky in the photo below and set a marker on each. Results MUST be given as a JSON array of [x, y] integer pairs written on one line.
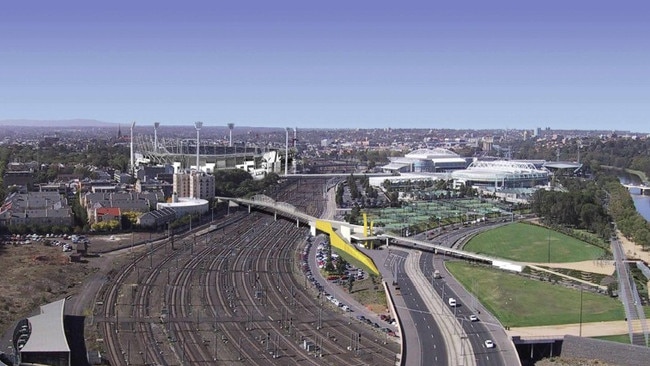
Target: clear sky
[[355, 63]]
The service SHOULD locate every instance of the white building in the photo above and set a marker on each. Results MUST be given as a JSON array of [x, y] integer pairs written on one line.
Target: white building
[[185, 206], [501, 174], [426, 161]]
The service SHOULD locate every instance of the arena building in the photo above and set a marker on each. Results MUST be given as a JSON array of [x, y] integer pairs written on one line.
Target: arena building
[[501, 174], [184, 205], [426, 161], [41, 339]]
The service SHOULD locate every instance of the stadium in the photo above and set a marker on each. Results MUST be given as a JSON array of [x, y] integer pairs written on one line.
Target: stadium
[[426, 161], [501, 174]]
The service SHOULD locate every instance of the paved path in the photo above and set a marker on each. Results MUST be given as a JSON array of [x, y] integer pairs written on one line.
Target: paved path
[[596, 329]]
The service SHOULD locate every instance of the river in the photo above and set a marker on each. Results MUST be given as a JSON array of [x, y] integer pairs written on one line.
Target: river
[[641, 202]]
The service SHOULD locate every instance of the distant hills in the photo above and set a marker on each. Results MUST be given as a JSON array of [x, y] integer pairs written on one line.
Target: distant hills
[[56, 123]]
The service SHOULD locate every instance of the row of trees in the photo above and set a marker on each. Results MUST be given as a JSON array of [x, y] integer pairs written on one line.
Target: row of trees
[[4, 160], [239, 183], [622, 209], [580, 207], [618, 152]]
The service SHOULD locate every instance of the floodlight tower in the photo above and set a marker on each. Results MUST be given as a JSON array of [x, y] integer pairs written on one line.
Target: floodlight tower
[[155, 136], [295, 139], [132, 152], [230, 127], [197, 125], [286, 153]]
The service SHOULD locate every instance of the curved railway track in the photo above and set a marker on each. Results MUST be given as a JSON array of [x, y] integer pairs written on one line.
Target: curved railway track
[[229, 295]]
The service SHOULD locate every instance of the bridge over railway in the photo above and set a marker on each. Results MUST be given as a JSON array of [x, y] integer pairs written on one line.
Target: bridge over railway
[[349, 234]]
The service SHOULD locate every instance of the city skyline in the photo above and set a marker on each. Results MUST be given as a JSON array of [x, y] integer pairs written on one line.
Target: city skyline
[[506, 64]]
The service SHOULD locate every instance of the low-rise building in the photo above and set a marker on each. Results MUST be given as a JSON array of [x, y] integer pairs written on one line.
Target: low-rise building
[[36, 208], [157, 218]]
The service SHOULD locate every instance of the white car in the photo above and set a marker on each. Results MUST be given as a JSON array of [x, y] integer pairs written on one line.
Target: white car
[[489, 344], [473, 318]]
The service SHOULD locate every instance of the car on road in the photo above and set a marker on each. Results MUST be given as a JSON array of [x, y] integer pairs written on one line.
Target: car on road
[[473, 318], [489, 343]]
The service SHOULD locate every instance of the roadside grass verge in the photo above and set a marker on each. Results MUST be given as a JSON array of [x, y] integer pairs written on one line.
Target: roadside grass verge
[[518, 301], [620, 338], [530, 243], [368, 291]]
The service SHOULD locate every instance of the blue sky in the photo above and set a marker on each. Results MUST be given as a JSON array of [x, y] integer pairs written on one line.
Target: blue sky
[[363, 64]]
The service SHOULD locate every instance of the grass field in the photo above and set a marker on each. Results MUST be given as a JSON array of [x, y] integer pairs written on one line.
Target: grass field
[[519, 301], [530, 243], [621, 338]]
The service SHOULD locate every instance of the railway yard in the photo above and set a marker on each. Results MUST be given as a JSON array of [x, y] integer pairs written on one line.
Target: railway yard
[[228, 294]]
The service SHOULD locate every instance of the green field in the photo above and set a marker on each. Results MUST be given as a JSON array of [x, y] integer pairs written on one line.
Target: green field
[[621, 338], [519, 301], [530, 243]]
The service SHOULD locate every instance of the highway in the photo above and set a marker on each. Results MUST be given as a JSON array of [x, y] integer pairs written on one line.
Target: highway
[[476, 332], [430, 338]]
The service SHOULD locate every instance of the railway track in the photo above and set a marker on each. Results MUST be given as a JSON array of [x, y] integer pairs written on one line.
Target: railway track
[[229, 295]]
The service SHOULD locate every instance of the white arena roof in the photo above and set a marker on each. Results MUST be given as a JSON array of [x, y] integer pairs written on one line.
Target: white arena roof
[[183, 202], [47, 333], [498, 170], [432, 154]]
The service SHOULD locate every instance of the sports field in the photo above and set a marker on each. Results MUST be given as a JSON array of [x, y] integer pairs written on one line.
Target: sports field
[[530, 243], [519, 301]]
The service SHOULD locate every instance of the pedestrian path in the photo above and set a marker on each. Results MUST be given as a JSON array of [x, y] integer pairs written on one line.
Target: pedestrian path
[[595, 329]]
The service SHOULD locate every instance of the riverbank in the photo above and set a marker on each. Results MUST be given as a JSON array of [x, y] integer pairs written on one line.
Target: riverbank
[[632, 250]]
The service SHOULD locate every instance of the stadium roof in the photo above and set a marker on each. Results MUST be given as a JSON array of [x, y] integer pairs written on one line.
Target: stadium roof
[[183, 202], [432, 154], [47, 333], [499, 169], [562, 165]]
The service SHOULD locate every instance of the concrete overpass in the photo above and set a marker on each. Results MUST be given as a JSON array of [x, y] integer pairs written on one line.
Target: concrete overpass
[[440, 249], [287, 210], [355, 233]]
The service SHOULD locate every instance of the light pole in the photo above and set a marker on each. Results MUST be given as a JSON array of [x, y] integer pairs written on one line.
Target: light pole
[[295, 138], [155, 136], [230, 128], [132, 152], [580, 331], [549, 243], [286, 153], [197, 125]]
